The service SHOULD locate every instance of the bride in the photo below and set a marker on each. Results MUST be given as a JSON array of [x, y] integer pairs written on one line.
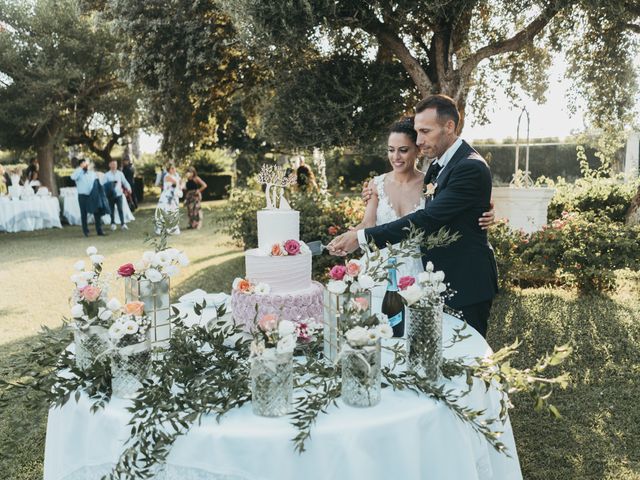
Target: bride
[[393, 195]]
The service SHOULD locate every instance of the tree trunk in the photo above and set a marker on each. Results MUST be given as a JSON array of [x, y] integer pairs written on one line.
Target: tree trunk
[[44, 148]]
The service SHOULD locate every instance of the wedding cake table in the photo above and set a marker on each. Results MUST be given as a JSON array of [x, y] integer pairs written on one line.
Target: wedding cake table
[[407, 436]]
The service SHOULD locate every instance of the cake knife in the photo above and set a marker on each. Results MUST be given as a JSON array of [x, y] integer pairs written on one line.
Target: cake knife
[[316, 247]]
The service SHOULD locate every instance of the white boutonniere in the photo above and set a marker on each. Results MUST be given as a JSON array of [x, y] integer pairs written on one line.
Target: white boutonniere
[[430, 190]]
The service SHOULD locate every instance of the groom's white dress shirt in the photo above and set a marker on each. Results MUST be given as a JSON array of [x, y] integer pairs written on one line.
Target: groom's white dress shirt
[[442, 161]]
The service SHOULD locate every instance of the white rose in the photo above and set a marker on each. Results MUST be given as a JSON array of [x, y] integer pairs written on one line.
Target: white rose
[[438, 276], [77, 311], [347, 278], [116, 332], [172, 253], [161, 258], [354, 287], [96, 259], [88, 275], [424, 277], [104, 313], [286, 344], [81, 283], [92, 251], [286, 327], [262, 289], [140, 266], [130, 327], [411, 294], [373, 335], [183, 260], [114, 304], [153, 275], [337, 287], [384, 330], [304, 248], [148, 256], [79, 265], [357, 336], [366, 281], [441, 288], [429, 267], [171, 270]]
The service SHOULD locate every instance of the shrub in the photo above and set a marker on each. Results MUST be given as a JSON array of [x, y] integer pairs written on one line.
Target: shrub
[[207, 162]]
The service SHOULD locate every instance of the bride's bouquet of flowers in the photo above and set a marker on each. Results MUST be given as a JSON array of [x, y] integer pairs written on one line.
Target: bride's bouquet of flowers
[[130, 350], [274, 341]]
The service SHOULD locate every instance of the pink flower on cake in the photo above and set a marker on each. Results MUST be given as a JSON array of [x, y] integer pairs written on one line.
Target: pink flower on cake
[[268, 322], [338, 272], [405, 282], [292, 247], [276, 250], [126, 270], [353, 268], [90, 293]]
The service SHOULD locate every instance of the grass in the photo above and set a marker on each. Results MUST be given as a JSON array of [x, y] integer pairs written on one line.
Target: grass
[[598, 436]]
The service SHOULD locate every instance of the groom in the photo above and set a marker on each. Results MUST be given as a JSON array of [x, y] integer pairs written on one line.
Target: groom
[[459, 184]]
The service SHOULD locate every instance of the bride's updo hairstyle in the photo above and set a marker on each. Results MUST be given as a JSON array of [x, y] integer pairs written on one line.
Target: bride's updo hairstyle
[[405, 125]]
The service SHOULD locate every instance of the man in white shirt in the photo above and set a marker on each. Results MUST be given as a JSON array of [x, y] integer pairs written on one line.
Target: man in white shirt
[[114, 182], [84, 176]]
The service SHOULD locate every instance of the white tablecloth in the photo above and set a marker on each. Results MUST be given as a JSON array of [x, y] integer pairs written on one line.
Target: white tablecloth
[[30, 214], [407, 436], [71, 209]]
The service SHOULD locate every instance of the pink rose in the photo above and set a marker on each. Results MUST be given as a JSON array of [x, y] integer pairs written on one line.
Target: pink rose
[[126, 270], [338, 272], [361, 303], [405, 282], [90, 293], [134, 308], [268, 322], [353, 268], [292, 247], [276, 250]]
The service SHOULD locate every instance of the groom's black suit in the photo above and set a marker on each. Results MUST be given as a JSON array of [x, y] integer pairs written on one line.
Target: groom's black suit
[[463, 193]]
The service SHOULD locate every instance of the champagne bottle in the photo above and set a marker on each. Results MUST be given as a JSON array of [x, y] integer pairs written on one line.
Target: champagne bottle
[[392, 305]]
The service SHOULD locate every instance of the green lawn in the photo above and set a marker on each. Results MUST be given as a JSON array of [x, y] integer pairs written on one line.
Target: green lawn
[[597, 438]]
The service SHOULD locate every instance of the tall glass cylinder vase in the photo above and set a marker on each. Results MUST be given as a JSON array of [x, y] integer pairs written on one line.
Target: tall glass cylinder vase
[[361, 376], [130, 366], [157, 306], [272, 384], [424, 341], [89, 343], [335, 307]]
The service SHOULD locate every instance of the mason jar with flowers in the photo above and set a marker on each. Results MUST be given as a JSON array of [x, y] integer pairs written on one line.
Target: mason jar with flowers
[[424, 296], [130, 349], [91, 309]]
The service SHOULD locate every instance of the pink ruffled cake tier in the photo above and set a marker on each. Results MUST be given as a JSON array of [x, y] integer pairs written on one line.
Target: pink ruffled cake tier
[[299, 305]]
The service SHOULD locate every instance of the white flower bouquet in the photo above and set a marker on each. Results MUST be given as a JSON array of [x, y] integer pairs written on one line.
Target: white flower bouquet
[[154, 266]]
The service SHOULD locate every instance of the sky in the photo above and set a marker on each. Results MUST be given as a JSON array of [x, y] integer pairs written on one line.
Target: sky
[[551, 119]]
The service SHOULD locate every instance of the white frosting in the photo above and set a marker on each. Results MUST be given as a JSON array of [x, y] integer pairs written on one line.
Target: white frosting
[[276, 226], [285, 274]]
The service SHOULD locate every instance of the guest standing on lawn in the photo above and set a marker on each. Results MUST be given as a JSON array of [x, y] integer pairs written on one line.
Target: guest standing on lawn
[[194, 187], [170, 197], [85, 177], [115, 183], [129, 172]]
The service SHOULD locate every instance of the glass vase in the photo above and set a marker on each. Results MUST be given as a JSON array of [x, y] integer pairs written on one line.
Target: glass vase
[[272, 384], [361, 376], [157, 306], [89, 344], [424, 341], [130, 365], [335, 306]]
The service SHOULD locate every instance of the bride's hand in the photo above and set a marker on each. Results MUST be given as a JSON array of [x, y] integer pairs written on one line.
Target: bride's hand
[[488, 218], [367, 192]]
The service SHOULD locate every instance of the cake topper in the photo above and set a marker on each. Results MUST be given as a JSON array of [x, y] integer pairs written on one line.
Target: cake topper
[[276, 180]]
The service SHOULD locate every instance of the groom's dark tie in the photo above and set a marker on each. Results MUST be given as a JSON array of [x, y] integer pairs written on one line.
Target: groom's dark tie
[[432, 172]]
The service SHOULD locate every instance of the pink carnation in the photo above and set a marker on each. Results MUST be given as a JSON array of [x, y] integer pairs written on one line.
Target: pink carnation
[[292, 247], [353, 268], [268, 322], [405, 282], [338, 272], [90, 293]]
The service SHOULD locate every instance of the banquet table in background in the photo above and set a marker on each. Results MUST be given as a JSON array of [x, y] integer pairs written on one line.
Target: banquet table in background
[[407, 436], [29, 214], [71, 209]]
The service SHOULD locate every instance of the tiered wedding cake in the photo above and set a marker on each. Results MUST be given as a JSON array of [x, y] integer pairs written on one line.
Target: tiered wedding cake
[[278, 272]]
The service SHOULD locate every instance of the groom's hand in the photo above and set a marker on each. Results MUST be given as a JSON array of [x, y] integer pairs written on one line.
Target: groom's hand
[[344, 244]]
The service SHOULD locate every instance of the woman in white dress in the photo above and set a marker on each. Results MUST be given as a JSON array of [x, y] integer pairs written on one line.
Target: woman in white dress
[[170, 196], [400, 192]]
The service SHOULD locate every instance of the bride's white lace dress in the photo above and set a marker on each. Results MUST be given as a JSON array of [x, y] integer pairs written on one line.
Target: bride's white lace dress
[[385, 214]]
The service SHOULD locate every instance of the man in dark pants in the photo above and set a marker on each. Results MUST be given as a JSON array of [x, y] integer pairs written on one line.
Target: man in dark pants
[[460, 185], [85, 178]]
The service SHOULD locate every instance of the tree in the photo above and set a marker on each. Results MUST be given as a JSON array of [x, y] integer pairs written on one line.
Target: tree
[[458, 47], [59, 65]]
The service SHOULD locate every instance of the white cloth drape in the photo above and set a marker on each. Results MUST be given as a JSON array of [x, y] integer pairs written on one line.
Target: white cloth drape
[[71, 209], [407, 436], [33, 213]]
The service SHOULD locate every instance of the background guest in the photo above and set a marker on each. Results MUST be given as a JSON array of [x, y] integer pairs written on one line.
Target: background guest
[[305, 179], [31, 172], [129, 172], [5, 181], [85, 177], [115, 182], [170, 197], [194, 187]]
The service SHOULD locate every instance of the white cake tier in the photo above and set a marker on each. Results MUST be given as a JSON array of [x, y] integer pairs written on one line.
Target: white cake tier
[[276, 226], [286, 274]]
